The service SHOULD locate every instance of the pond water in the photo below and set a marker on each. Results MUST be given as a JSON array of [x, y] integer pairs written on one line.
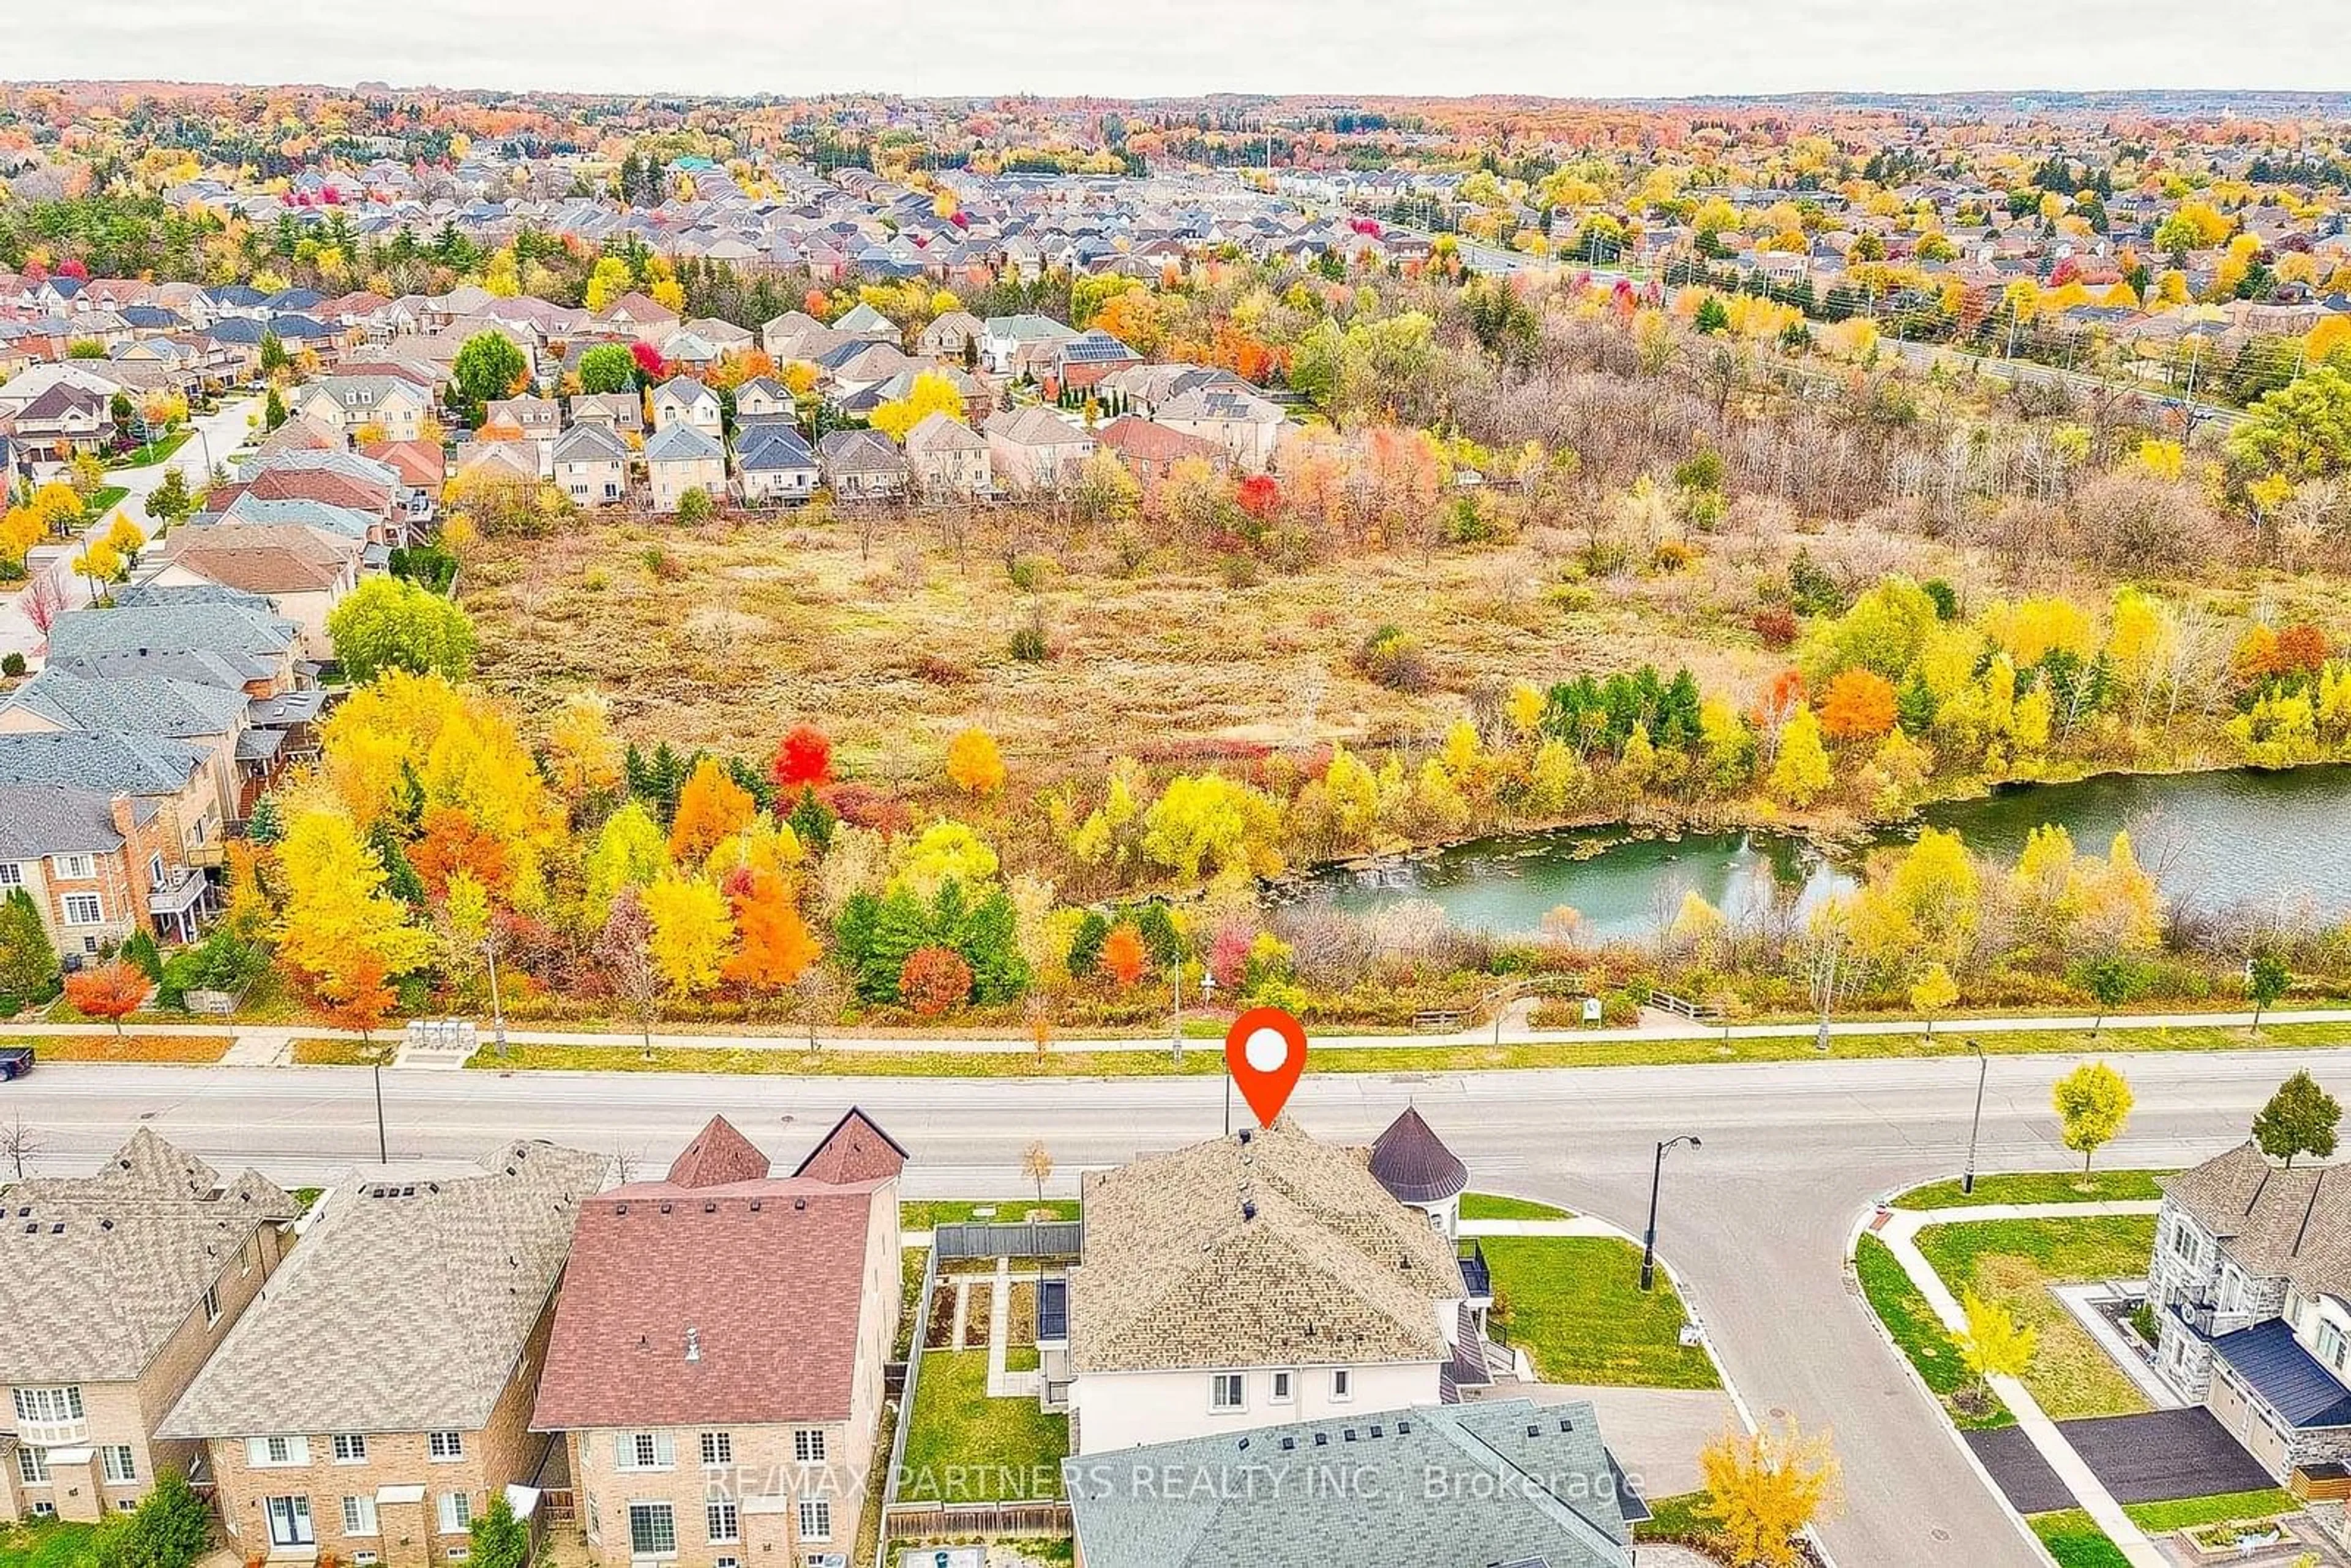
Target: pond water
[[2214, 840]]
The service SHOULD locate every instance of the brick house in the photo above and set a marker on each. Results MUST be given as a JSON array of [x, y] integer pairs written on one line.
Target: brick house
[[113, 1290], [716, 1365], [679, 458], [2251, 1285], [161, 806], [377, 1395], [98, 867]]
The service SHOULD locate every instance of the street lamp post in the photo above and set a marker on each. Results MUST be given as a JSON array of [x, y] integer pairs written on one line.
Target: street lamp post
[[1649, 1237], [382, 1151], [1983, 1070]]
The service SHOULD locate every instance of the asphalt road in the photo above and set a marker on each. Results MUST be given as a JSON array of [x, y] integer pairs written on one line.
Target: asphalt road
[[1755, 1222]]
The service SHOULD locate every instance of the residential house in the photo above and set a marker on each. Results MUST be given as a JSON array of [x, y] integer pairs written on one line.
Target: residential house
[[175, 821], [715, 1370], [773, 463], [622, 412], [63, 421], [1034, 449], [763, 397], [862, 466], [395, 408], [681, 457], [97, 867], [1151, 451], [685, 400], [534, 418], [1081, 363], [303, 573], [1021, 345], [948, 457], [1182, 1318], [1505, 1481], [639, 317], [2251, 1287], [1246, 425], [58, 702], [591, 466], [237, 627], [952, 339], [114, 1289], [376, 1397]]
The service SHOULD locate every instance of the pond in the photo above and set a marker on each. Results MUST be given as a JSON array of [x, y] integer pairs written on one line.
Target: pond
[[2213, 840]]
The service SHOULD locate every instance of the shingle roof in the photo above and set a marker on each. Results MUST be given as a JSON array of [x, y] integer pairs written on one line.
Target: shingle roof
[[407, 1305], [681, 1294], [682, 444], [1412, 1162], [96, 1272], [111, 762], [590, 444], [2293, 1224], [771, 445], [1034, 427], [1264, 1249], [171, 626], [140, 704], [856, 1150], [38, 820], [1459, 1486]]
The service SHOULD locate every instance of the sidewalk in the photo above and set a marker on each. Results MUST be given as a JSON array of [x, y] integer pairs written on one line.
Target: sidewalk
[[1899, 1231]]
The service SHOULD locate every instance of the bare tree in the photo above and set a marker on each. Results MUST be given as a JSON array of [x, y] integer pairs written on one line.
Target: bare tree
[[625, 954], [19, 1142], [1036, 1165]]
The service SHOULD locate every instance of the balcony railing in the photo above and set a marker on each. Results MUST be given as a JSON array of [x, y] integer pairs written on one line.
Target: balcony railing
[[1475, 1274], [179, 892]]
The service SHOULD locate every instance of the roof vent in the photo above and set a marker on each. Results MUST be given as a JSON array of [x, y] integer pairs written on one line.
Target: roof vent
[[1349, 1434], [755, 1206], [620, 1208], [106, 1224], [1534, 1431], [1244, 1445], [666, 1207], [1321, 1439], [1245, 1135], [59, 1228], [710, 1206], [800, 1203], [1404, 1429], [1249, 1211], [1377, 1430], [1288, 1444]]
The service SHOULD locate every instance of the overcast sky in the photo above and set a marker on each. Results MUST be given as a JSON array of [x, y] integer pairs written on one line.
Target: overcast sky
[[1130, 49]]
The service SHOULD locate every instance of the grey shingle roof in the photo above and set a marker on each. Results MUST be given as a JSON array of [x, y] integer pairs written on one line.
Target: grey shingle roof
[[771, 445], [104, 761], [406, 1306], [142, 705], [1274, 1251], [1458, 1486], [172, 627], [38, 820], [2290, 1224], [140, 1241], [681, 444]]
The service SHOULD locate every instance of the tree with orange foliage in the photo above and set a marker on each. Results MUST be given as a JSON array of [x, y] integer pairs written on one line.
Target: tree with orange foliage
[[452, 841], [358, 997], [1780, 699], [974, 763], [934, 980], [1260, 496], [111, 991], [1857, 703], [711, 808], [1123, 955], [2301, 647], [803, 757], [773, 946]]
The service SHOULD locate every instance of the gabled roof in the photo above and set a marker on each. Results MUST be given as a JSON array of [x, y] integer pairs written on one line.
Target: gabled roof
[[938, 432], [718, 1155], [111, 762], [856, 1150], [145, 705], [1034, 427], [591, 442], [2290, 1380], [682, 444], [1268, 1248], [38, 820], [771, 445], [407, 1306], [2277, 1223], [98, 1273]]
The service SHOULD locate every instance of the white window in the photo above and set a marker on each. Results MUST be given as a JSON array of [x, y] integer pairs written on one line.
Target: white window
[[1281, 1388], [351, 1447], [73, 868], [808, 1445], [456, 1512], [84, 909], [728, 1563], [1225, 1391], [11, 874], [49, 1406], [212, 1305], [445, 1445], [359, 1515], [121, 1467], [155, 870], [2331, 1344], [816, 1519], [653, 1530], [458, 1554], [33, 1464], [364, 1559], [717, 1449], [643, 1451], [277, 1453], [723, 1522], [44, 1508], [1343, 1383]]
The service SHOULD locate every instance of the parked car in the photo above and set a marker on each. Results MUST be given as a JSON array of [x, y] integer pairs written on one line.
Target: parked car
[[16, 1061]]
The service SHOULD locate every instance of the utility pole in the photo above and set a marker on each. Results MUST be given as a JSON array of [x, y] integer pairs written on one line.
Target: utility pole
[[1983, 1070], [1649, 1235]]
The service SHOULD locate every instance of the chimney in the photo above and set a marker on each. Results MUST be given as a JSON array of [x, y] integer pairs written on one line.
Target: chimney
[[692, 1344]]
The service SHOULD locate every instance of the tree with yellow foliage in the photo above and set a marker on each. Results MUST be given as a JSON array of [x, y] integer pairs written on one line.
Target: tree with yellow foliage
[[337, 918], [1764, 1488], [711, 808], [931, 393], [974, 764], [692, 926]]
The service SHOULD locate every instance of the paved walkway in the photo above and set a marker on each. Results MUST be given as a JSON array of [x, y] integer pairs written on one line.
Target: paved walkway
[[1899, 1231]]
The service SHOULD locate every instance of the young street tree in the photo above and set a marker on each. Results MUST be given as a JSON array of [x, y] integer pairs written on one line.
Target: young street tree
[[2093, 1104], [2266, 979], [1993, 1345], [19, 1142], [1765, 1486], [1036, 1165], [112, 991], [2112, 980], [2300, 1119]]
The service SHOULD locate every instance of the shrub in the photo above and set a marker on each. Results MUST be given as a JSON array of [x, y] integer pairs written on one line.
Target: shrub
[[1775, 624], [1393, 658], [933, 981], [1030, 645], [13, 665], [696, 506]]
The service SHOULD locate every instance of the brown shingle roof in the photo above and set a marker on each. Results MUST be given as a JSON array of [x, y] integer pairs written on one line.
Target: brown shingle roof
[[856, 1150], [718, 1155], [2277, 1223], [1245, 1253], [1412, 1162]]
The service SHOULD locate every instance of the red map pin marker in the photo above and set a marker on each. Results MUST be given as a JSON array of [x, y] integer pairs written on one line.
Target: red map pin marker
[[1266, 1051]]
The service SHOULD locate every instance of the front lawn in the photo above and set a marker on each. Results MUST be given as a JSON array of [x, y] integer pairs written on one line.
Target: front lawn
[[927, 1214], [2074, 1540], [125, 1048], [2015, 1261], [1491, 1206], [2229, 1508], [1575, 1304], [963, 1447], [2039, 1186], [1920, 1334], [154, 451], [49, 1543], [103, 500]]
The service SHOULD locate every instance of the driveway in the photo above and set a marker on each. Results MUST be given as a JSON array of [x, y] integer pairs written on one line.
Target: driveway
[[1655, 1433], [2161, 1456]]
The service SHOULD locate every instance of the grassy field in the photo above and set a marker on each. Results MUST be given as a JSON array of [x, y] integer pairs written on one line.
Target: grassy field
[[125, 1047], [2074, 1540], [2015, 1261], [1921, 1336], [1018, 1061], [964, 1447], [1574, 1305], [917, 1214], [2039, 1186], [1489, 1205], [51, 1545]]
